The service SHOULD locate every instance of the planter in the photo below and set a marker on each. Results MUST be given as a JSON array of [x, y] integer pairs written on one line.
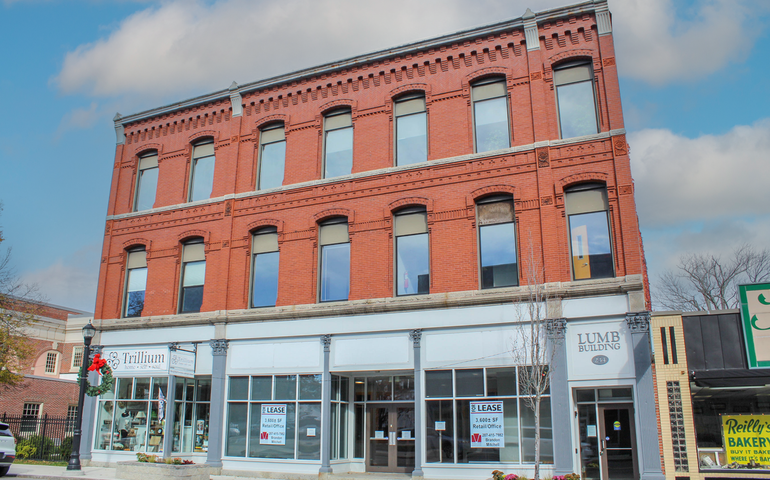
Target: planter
[[148, 471]]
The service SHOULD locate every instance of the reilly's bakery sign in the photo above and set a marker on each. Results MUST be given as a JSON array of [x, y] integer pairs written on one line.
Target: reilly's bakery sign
[[599, 350]]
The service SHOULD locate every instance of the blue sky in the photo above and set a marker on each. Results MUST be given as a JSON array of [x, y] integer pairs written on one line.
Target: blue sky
[[693, 83]]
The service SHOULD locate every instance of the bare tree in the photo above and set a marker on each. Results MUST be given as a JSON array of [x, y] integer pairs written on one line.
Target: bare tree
[[530, 347], [19, 304], [707, 282]]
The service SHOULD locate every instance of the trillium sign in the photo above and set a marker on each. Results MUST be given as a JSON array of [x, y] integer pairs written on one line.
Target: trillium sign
[[487, 425]]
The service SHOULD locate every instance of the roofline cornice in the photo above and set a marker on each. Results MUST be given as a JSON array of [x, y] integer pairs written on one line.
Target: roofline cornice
[[225, 94]]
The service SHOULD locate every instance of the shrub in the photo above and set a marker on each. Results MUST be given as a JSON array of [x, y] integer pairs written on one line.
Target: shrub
[[65, 449], [43, 446], [24, 451]]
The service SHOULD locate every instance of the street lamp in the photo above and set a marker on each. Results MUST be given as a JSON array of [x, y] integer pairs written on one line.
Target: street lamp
[[88, 333]]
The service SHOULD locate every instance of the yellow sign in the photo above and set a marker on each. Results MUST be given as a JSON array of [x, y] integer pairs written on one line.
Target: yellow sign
[[747, 438]]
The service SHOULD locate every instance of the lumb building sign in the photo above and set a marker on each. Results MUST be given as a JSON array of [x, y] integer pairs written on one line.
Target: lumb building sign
[[598, 349]]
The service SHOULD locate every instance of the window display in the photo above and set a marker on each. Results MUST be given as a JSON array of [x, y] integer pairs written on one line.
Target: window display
[[191, 417]]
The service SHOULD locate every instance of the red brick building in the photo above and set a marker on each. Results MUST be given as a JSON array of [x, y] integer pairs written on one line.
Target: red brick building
[[360, 234], [50, 373]]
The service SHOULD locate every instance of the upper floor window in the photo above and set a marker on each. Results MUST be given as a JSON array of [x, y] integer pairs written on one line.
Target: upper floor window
[[264, 266], [411, 130], [497, 242], [490, 114], [587, 212], [136, 283], [338, 143], [77, 356], [193, 276], [412, 258], [335, 259], [202, 175], [146, 182], [51, 359], [575, 98], [272, 156]]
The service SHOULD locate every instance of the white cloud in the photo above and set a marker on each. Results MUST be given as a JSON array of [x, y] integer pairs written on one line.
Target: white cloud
[[79, 118], [680, 180], [184, 47], [657, 46], [71, 282]]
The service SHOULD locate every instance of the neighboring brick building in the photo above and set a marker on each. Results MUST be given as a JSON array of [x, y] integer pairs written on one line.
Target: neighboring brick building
[[50, 372], [346, 247]]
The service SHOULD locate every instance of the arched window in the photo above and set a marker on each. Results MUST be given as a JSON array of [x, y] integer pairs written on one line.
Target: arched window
[[136, 282], [264, 267], [202, 171], [411, 129], [490, 114], [146, 182], [333, 238], [193, 276], [497, 242], [338, 143], [412, 256], [575, 99], [589, 225], [272, 156]]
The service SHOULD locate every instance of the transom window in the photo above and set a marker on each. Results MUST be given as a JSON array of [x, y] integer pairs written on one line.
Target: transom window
[[490, 114], [575, 99], [411, 130]]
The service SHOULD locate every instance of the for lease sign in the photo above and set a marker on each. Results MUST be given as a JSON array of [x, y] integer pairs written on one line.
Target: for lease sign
[[747, 438], [273, 425], [487, 425]]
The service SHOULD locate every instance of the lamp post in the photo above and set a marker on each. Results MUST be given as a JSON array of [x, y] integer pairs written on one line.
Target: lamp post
[[88, 333]]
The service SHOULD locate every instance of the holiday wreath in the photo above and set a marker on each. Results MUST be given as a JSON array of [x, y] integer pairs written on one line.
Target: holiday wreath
[[100, 366]]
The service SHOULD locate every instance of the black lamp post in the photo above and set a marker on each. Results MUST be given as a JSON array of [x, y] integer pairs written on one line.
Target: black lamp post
[[88, 333]]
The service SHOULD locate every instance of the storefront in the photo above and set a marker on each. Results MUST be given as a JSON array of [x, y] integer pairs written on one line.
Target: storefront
[[444, 400]]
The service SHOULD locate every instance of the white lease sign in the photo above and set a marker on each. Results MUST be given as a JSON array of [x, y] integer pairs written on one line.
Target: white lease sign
[[487, 425], [273, 425]]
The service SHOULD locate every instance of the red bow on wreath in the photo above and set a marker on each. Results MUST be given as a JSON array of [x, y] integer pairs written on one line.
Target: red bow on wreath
[[97, 364]]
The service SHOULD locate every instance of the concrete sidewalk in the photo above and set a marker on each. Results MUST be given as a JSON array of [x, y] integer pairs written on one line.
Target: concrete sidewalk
[[22, 470]]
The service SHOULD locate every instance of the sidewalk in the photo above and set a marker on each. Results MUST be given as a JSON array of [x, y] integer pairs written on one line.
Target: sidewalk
[[21, 470]]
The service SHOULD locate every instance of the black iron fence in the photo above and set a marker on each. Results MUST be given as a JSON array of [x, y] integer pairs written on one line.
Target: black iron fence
[[41, 438]]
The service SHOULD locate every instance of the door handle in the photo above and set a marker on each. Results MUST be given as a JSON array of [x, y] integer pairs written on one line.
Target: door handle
[[391, 438], [604, 446]]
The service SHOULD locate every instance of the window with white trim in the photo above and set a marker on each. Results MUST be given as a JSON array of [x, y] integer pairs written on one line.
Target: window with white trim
[[77, 356], [51, 359]]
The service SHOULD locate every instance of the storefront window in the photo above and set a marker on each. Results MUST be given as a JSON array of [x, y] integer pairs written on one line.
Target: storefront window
[[276, 416], [131, 421], [472, 397], [191, 420]]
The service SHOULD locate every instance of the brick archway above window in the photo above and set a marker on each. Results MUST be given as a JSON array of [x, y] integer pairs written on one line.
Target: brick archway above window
[[265, 222], [146, 148], [485, 72], [585, 177], [404, 202], [183, 237], [479, 193], [333, 212], [334, 104], [270, 119], [203, 134], [137, 242], [423, 88]]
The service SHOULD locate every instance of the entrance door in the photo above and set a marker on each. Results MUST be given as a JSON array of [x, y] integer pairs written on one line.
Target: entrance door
[[617, 442], [390, 429]]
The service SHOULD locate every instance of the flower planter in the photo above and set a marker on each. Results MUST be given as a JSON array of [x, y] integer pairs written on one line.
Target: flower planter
[[148, 471]]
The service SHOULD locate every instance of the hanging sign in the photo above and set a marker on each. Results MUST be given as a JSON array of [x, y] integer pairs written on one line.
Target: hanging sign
[[273, 425], [755, 310], [181, 363], [487, 425], [746, 438]]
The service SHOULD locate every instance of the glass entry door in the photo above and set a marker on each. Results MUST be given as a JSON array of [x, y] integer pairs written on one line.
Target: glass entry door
[[390, 433], [617, 442]]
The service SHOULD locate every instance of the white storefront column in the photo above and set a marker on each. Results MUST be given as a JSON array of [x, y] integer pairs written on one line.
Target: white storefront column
[[217, 416], [416, 336], [326, 409]]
